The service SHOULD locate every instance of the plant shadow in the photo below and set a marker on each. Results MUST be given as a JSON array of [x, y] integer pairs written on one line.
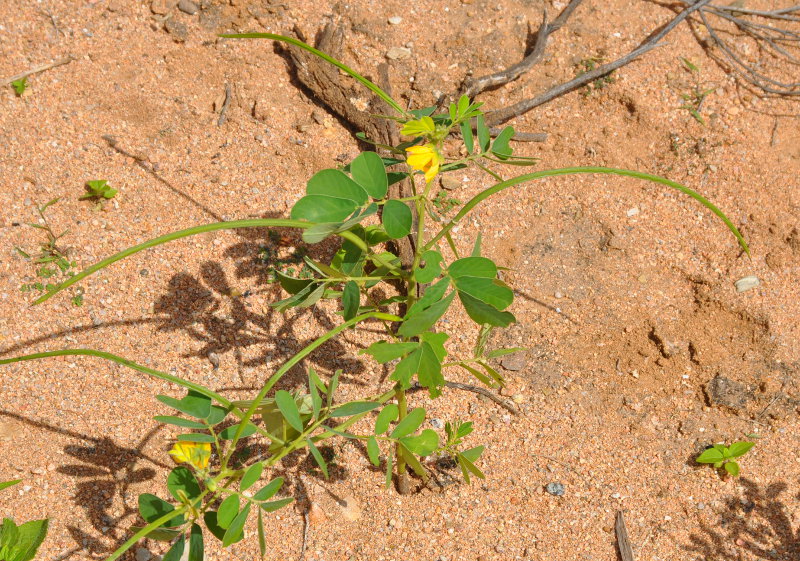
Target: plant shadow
[[756, 525]]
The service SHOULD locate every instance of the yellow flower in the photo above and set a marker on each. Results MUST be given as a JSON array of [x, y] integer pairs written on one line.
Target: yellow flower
[[424, 158], [195, 454]]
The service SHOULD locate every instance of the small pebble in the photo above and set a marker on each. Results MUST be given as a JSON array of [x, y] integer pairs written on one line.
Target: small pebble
[[437, 423], [398, 53], [188, 7], [746, 283], [555, 488], [213, 358], [632, 212], [395, 20], [143, 554]]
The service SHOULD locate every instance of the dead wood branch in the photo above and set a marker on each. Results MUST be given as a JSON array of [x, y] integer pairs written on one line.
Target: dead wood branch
[[475, 86], [623, 542], [500, 116]]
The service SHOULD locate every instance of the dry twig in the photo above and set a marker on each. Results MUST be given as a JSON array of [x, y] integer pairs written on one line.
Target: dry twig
[[624, 544], [225, 105], [37, 69]]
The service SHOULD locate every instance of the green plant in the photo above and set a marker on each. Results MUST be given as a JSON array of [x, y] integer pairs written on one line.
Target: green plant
[[587, 65], [98, 190], [20, 86], [696, 97], [52, 262], [211, 485], [20, 543], [724, 457]]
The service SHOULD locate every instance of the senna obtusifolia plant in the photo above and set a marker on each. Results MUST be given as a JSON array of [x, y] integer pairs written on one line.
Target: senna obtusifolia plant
[[214, 485]]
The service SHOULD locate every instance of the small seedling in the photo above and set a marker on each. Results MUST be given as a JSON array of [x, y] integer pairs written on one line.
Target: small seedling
[[724, 456], [443, 203], [98, 190], [20, 86], [696, 97], [589, 64], [53, 264]]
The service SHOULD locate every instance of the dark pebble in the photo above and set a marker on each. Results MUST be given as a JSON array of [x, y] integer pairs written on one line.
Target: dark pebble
[[555, 488]]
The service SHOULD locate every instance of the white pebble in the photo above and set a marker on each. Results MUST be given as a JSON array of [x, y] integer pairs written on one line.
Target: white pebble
[[395, 20], [746, 283], [632, 211]]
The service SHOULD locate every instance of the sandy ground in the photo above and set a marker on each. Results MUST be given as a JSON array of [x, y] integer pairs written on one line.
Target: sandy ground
[[640, 350]]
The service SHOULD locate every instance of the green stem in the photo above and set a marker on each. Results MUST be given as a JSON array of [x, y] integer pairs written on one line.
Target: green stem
[[149, 528], [292, 41], [402, 407], [472, 203], [144, 369], [289, 364], [233, 224]]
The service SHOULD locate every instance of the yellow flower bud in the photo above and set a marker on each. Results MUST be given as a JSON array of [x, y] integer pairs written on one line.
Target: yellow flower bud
[[196, 454], [424, 158]]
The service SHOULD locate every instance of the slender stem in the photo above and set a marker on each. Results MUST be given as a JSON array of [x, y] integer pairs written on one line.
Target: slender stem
[[402, 407], [472, 203]]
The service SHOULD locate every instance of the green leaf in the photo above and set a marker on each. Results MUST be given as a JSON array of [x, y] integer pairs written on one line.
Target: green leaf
[[351, 299], [484, 313], [236, 530], [289, 410], [397, 219], [423, 444], [476, 249], [710, 456], [179, 422], [425, 319], [251, 476], [409, 424], [412, 461], [466, 132], [468, 467], [502, 352], [194, 404], [217, 415], [228, 510], [373, 451], [7, 484], [316, 400], [335, 183], [323, 465], [500, 147], [291, 284], [478, 374], [492, 372], [419, 127], [433, 294], [210, 518], [383, 352], [489, 291], [176, 551], [354, 408], [272, 506], [159, 534], [473, 453], [320, 208], [386, 417], [182, 479], [269, 490], [20, 85], [196, 552], [196, 437], [473, 267], [20, 543], [368, 171], [152, 508], [732, 468], [738, 449], [229, 433], [432, 266], [484, 139], [424, 362], [332, 385]]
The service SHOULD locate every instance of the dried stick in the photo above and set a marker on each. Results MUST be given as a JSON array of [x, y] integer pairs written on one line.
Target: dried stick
[[474, 86], [624, 544], [505, 404], [225, 105], [37, 69], [500, 116]]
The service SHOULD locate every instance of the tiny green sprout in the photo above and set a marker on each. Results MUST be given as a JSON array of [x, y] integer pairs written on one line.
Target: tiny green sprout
[[724, 456], [98, 189], [20, 86]]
